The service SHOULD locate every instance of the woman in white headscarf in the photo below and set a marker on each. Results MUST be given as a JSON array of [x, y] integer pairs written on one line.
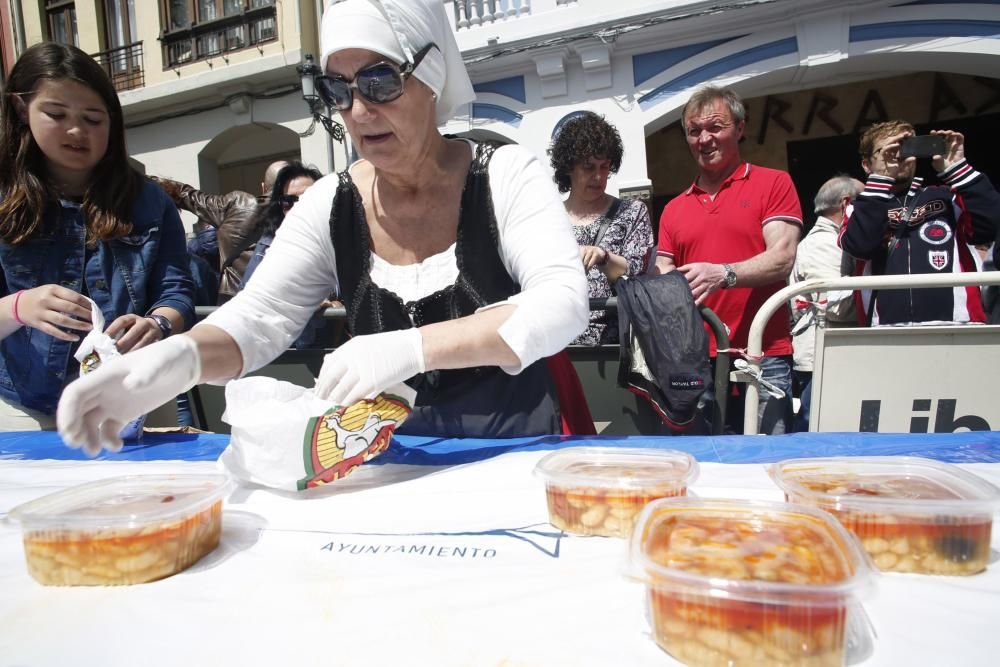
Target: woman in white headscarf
[[455, 259]]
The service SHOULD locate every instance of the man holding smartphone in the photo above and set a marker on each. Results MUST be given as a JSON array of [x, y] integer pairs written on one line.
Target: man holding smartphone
[[899, 226]]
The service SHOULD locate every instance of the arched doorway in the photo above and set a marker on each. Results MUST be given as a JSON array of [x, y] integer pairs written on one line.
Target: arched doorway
[[236, 158]]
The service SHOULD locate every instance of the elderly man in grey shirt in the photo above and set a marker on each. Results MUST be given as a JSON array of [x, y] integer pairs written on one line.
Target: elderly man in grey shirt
[[819, 256]]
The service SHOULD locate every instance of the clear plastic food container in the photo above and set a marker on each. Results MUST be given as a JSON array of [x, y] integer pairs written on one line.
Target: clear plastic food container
[[748, 583], [123, 530], [601, 490], [911, 514]]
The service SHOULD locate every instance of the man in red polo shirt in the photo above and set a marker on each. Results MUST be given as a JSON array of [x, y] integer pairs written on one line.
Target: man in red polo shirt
[[733, 235]]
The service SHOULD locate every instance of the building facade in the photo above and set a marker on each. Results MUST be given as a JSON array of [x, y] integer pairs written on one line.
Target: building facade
[[209, 88], [211, 92]]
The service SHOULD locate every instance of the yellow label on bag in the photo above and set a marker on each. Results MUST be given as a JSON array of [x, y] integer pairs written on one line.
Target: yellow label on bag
[[342, 439]]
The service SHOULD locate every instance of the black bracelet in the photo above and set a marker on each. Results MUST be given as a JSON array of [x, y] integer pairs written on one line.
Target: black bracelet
[[166, 328]]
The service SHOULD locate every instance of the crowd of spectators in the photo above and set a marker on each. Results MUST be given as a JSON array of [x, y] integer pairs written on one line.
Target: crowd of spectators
[[735, 235]]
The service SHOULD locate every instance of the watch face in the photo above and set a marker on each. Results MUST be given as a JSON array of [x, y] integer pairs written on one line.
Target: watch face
[[730, 276]]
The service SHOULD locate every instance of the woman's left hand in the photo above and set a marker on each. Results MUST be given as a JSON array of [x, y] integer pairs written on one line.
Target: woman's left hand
[[367, 365], [138, 331], [592, 256]]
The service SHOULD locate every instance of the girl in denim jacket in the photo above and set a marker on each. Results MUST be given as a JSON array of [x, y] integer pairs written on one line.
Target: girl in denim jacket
[[76, 221]]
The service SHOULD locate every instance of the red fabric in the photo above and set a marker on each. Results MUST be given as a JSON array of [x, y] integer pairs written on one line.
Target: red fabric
[[573, 408], [964, 262], [729, 229]]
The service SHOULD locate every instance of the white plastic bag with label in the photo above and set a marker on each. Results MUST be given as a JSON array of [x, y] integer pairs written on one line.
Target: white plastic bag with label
[[284, 437], [96, 348]]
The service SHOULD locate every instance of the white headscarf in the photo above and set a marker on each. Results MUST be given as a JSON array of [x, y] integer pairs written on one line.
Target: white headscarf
[[398, 29]]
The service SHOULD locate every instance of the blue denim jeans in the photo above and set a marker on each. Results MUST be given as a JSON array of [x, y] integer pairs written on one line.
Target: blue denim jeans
[[774, 415], [803, 380]]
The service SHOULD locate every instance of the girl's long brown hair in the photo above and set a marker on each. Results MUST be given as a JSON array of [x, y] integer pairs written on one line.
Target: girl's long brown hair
[[25, 186]]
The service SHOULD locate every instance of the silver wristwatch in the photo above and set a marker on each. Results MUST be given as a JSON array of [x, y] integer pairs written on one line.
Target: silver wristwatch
[[730, 278]]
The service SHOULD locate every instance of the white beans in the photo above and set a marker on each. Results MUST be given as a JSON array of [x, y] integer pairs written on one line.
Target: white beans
[[110, 557], [601, 511], [714, 634], [922, 545]]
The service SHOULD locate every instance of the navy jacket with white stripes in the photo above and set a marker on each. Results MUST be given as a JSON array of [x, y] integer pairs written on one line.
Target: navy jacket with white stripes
[[925, 230]]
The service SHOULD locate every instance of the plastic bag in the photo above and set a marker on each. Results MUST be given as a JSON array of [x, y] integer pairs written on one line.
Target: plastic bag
[[285, 438], [96, 348]]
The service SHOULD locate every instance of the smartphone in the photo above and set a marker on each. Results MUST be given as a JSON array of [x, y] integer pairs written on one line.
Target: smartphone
[[922, 146]]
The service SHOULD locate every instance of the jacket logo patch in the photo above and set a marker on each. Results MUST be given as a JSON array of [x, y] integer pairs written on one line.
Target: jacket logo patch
[[938, 259], [935, 232], [919, 213]]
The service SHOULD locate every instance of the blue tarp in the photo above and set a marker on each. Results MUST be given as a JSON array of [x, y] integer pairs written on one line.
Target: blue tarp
[[976, 447]]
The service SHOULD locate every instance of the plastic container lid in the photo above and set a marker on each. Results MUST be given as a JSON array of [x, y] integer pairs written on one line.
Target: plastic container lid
[[848, 565], [886, 483], [126, 502], [617, 467]]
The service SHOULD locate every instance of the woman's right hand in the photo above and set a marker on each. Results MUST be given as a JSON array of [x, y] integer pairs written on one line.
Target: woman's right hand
[[592, 256], [95, 408], [52, 308]]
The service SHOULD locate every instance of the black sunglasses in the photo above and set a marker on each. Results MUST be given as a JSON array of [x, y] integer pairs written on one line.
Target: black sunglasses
[[379, 83], [287, 201]]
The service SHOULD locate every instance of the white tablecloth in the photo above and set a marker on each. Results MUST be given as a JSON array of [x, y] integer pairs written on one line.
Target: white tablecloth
[[413, 565]]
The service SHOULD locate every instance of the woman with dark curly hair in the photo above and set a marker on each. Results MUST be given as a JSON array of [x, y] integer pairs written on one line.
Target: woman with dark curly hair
[[615, 235]]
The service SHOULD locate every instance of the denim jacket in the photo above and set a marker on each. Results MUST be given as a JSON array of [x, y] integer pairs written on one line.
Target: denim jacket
[[138, 273]]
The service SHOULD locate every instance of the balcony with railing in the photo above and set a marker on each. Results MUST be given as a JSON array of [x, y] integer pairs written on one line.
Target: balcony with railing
[[482, 24], [123, 65], [217, 37], [470, 14]]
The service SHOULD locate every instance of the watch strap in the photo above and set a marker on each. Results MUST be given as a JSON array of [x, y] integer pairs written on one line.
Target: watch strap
[[166, 328]]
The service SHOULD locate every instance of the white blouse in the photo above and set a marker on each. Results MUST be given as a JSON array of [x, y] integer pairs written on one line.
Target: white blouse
[[415, 281], [536, 245]]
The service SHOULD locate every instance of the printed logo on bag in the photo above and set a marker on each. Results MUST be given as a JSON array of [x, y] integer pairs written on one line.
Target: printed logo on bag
[[935, 232], [938, 259], [341, 440], [686, 381]]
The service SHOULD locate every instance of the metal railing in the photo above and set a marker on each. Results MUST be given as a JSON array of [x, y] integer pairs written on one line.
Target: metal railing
[[219, 36], [469, 14], [124, 65], [722, 366], [781, 298]]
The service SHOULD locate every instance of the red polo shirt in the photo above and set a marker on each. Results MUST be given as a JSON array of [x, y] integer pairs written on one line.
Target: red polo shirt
[[729, 229]]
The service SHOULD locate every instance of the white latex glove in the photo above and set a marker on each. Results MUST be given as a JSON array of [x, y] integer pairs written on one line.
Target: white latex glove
[[366, 365], [94, 409]]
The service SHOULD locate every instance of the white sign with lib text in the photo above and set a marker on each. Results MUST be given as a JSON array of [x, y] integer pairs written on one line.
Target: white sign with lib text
[[917, 379]]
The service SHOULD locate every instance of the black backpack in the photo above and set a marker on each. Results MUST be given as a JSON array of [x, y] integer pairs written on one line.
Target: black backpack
[[664, 347]]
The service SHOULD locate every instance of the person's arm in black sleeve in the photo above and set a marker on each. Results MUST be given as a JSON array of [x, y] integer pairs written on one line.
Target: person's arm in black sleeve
[[979, 199], [865, 229]]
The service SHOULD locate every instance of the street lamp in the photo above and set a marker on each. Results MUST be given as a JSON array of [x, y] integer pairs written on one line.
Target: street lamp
[[308, 71]]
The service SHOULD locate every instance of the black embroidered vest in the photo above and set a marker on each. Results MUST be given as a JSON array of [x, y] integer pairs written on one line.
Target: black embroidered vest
[[469, 402]]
